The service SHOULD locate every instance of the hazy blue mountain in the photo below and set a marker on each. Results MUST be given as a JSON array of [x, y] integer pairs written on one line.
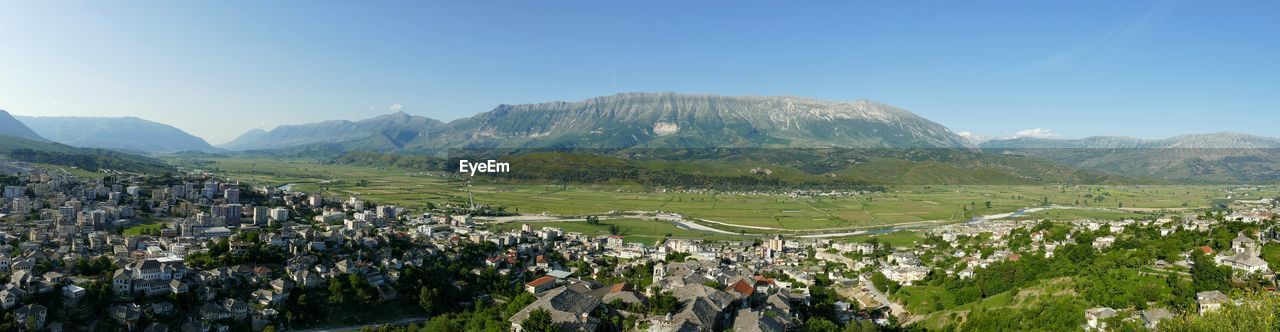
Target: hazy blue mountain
[[10, 126], [631, 120], [384, 132], [118, 133], [1216, 157], [1192, 141]]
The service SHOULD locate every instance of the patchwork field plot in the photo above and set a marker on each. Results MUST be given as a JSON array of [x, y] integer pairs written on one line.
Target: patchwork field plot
[[899, 204], [632, 230]]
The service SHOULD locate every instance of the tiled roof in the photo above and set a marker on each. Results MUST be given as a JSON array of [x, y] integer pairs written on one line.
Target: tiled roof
[[541, 281], [741, 287]]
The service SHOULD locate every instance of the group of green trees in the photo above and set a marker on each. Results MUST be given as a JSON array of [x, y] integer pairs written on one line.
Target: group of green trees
[[1119, 277], [97, 298], [349, 290], [1257, 312], [89, 159], [256, 251], [101, 265], [390, 159]]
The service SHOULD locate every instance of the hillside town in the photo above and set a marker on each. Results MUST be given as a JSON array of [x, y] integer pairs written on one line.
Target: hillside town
[[195, 253]]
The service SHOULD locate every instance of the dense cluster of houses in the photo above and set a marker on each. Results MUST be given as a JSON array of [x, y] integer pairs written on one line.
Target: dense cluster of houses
[[57, 224], [66, 239]]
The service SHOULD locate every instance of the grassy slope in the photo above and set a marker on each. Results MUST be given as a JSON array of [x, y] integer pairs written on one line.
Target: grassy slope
[[917, 299], [90, 159]]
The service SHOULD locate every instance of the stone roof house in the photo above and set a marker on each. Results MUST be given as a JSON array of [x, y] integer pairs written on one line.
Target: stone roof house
[[571, 310]]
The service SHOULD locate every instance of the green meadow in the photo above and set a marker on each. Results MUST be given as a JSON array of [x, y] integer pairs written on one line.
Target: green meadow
[[898, 205], [148, 226], [647, 232]]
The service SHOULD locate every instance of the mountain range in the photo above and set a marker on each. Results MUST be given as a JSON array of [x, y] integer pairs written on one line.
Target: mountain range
[[653, 120], [637, 121], [115, 133], [18, 142], [385, 132], [1217, 157], [1224, 140]]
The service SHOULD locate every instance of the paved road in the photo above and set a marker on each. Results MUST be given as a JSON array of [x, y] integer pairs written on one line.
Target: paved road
[[707, 225], [701, 227], [894, 308]]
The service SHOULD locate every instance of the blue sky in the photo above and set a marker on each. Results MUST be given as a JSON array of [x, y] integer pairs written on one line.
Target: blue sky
[[992, 68]]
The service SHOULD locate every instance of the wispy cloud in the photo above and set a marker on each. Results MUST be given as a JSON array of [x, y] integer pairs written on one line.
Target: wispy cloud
[[975, 138], [1035, 132], [1032, 133], [1116, 37], [395, 107]]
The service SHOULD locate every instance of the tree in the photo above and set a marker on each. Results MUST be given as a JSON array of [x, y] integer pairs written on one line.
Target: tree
[[860, 325], [364, 292], [1206, 276], [614, 230], [1257, 312], [337, 294], [883, 282], [539, 320], [664, 303], [818, 324], [9, 323], [518, 303], [442, 323], [427, 299]]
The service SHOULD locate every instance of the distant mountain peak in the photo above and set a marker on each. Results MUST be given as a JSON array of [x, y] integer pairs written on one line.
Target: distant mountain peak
[[634, 119], [385, 131], [119, 133], [10, 126]]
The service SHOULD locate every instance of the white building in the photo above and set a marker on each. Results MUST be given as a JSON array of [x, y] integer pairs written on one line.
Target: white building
[[280, 214], [1243, 256]]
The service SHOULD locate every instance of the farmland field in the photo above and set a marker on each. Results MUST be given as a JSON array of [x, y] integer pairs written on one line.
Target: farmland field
[[899, 204], [632, 230]]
